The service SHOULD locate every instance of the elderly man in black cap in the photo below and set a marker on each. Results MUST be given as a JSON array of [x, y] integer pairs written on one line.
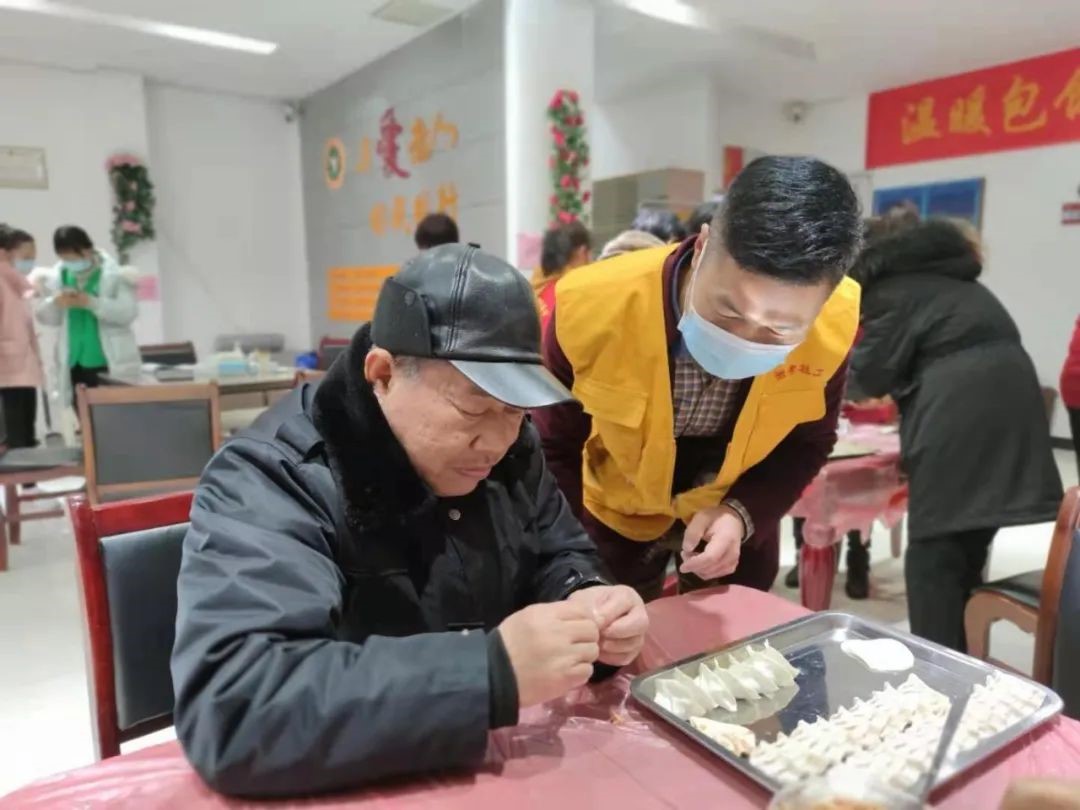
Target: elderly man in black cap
[[383, 569]]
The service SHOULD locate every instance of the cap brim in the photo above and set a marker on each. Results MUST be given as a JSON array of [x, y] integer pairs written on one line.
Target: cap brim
[[523, 385]]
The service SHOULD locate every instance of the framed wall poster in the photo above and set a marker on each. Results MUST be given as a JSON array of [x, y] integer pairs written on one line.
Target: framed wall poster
[[23, 167], [959, 199]]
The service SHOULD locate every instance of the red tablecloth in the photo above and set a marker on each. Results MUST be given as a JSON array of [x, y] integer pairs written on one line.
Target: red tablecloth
[[595, 749], [848, 495]]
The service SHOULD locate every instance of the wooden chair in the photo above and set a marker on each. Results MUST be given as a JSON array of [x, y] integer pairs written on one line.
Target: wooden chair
[[1032, 600], [128, 556], [169, 354], [141, 440], [329, 351], [25, 467]]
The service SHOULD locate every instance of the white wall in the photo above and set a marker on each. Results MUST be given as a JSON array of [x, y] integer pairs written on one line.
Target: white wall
[[80, 119], [230, 216], [1032, 261], [666, 126]]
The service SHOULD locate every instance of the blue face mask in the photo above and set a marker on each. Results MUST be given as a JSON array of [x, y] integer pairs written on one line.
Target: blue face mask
[[78, 265], [24, 266], [723, 354]]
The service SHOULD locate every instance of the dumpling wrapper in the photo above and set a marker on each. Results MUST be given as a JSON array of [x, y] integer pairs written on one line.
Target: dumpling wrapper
[[742, 690], [738, 740], [716, 687], [696, 692], [768, 670]]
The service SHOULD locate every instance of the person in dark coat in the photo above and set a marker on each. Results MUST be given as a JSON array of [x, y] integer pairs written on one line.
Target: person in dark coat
[[383, 569], [973, 427]]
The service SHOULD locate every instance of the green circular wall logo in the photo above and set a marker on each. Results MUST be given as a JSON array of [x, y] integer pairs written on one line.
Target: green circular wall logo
[[334, 163]]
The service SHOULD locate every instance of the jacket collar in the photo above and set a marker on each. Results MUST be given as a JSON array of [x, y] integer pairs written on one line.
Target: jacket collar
[[372, 470], [677, 262]]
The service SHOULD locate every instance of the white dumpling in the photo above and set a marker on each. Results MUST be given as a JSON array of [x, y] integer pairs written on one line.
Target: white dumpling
[[696, 692], [788, 671], [736, 739], [768, 670], [716, 688], [765, 684], [742, 690], [677, 699]]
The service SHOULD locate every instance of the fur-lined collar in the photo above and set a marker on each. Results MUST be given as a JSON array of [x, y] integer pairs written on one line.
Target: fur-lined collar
[[372, 469], [935, 247]]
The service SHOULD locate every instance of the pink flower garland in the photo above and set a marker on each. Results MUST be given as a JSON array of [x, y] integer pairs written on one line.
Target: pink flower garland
[[569, 158]]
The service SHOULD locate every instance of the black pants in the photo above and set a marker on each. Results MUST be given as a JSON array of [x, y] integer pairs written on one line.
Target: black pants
[[1074, 423], [18, 409], [90, 377], [941, 572]]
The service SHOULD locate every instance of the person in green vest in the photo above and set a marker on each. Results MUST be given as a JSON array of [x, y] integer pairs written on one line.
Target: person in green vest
[[91, 299]]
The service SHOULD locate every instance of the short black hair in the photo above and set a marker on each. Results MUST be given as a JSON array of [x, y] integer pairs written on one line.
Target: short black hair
[[704, 214], [660, 223], [559, 245], [6, 232], [71, 239], [436, 229], [793, 218]]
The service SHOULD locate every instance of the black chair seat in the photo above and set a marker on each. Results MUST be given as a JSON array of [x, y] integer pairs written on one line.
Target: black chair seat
[[1025, 588], [29, 459]]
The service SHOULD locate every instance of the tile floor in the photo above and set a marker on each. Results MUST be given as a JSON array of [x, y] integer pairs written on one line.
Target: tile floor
[[44, 715]]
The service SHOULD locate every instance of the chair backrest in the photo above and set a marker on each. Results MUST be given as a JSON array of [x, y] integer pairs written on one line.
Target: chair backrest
[[169, 354], [146, 439], [329, 351], [1057, 635], [128, 560]]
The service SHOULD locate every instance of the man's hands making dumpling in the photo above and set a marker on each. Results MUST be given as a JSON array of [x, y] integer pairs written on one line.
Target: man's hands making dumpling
[[621, 619]]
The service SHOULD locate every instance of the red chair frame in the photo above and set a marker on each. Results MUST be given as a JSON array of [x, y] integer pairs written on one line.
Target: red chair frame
[[91, 523]]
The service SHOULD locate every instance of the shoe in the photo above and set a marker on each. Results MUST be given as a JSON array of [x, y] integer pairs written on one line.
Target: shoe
[[792, 578], [858, 572]]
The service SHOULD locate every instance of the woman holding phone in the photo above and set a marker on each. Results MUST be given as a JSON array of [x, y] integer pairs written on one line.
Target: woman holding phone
[[91, 299]]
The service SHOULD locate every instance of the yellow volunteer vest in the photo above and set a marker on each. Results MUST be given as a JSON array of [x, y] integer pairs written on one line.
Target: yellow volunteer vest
[[610, 325]]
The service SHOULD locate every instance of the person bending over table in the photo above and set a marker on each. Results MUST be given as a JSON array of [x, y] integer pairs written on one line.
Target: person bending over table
[[383, 569], [710, 378]]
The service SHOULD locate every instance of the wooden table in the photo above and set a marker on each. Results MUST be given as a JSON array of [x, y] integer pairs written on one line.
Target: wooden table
[[228, 384], [595, 748], [19, 468]]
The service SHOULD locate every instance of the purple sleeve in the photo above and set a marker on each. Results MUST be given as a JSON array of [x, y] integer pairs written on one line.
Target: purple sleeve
[[772, 486], [563, 428]]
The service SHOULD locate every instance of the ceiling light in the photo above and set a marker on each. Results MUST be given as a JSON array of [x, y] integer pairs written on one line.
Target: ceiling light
[[672, 11], [199, 36]]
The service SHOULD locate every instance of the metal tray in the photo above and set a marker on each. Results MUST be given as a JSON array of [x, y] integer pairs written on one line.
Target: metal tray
[[830, 678]]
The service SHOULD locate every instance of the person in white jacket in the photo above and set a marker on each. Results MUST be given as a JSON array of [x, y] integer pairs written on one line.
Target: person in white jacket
[[91, 299]]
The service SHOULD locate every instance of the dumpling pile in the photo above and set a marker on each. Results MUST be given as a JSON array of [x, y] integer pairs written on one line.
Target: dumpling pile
[[813, 748], [993, 707], [721, 682], [895, 733]]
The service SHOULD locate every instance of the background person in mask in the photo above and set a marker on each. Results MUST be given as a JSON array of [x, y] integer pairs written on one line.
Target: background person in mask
[[711, 377], [91, 299], [20, 363]]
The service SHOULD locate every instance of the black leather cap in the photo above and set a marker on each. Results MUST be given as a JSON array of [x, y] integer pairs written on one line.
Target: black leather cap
[[457, 303]]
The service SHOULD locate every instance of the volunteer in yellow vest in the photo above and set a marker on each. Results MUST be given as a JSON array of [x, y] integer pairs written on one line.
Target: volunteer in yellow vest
[[710, 379]]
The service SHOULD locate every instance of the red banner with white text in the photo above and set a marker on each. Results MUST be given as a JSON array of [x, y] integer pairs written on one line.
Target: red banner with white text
[[1034, 102]]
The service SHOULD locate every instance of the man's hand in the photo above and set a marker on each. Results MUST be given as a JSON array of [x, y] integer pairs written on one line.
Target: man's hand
[[80, 300], [723, 532], [620, 615], [551, 647]]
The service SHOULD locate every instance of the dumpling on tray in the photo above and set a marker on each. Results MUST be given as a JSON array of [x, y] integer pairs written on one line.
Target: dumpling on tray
[[674, 696], [716, 688], [736, 739]]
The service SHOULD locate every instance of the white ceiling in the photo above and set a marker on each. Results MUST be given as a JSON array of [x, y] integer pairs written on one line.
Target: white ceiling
[[861, 45], [320, 41]]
